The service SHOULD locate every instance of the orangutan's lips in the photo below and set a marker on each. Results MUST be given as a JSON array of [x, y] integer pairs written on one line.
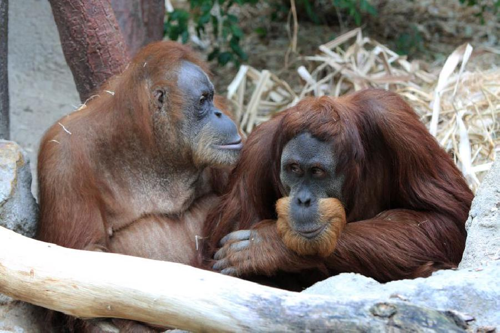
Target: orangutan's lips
[[311, 233], [231, 146]]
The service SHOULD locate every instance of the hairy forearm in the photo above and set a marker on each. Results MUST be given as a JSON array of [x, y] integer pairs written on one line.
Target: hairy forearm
[[393, 247]]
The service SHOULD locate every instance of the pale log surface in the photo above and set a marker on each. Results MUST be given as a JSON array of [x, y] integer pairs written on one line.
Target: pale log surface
[[93, 284]]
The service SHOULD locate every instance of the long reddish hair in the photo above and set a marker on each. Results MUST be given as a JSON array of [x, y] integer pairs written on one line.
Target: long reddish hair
[[386, 154]]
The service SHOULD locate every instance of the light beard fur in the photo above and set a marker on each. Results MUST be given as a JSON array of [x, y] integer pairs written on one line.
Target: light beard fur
[[206, 154], [331, 212]]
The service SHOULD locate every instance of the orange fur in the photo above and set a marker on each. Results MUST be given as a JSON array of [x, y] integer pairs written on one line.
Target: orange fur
[[117, 175], [405, 201], [332, 214]]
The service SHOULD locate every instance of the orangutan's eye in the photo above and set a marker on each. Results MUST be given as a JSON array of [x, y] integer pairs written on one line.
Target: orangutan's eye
[[295, 168], [203, 98], [317, 172]]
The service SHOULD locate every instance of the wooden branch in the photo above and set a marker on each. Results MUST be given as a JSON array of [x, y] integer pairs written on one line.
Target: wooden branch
[[92, 43], [95, 284], [141, 21]]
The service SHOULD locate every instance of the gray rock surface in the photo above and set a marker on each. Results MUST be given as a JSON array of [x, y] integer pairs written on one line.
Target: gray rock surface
[[18, 209], [473, 291], [483, 225], [21, 317]]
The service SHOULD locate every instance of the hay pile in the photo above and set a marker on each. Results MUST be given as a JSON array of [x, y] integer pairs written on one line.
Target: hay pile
[[461, 107]]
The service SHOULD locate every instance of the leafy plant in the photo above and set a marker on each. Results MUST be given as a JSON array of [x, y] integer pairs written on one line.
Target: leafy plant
[[176, 25], [214, 16], [484, 6], [355, 8], [410, 42]]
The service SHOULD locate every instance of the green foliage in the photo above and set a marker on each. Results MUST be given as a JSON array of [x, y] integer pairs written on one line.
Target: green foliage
[[261, 32], [410, 42], [213, 17], [485, 6], [355, 8], [176, 25], [311, 12], [227, 33]]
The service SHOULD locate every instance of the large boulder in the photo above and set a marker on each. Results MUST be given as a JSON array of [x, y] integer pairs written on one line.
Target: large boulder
[[474, 294], [18, 212], [19, 317], [483, 226], [18, 208], [472, 291]]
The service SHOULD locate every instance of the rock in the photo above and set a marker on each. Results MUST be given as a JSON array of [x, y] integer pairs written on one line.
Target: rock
[[21, 317], [483, 225], [472, 293], [18, 208], [18, 212]]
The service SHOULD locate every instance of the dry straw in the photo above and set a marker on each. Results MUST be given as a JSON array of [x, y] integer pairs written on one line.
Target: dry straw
[[460, 107]]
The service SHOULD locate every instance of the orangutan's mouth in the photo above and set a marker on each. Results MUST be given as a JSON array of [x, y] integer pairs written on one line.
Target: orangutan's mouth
[[231, 146], [311, 233]]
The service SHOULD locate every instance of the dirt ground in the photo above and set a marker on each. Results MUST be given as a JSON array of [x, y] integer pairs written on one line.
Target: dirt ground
[[442, 26]]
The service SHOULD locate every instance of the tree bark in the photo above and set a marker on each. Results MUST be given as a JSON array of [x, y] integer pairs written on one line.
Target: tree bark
[[95, 284], [92, 43], [4, 79], [141, 21]]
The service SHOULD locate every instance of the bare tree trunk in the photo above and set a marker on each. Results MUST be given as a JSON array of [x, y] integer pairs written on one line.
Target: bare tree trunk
[[92, 43], [141, 21], [4, 79]]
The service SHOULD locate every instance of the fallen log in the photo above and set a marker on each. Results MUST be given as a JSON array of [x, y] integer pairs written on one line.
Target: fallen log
[[95, 284]]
